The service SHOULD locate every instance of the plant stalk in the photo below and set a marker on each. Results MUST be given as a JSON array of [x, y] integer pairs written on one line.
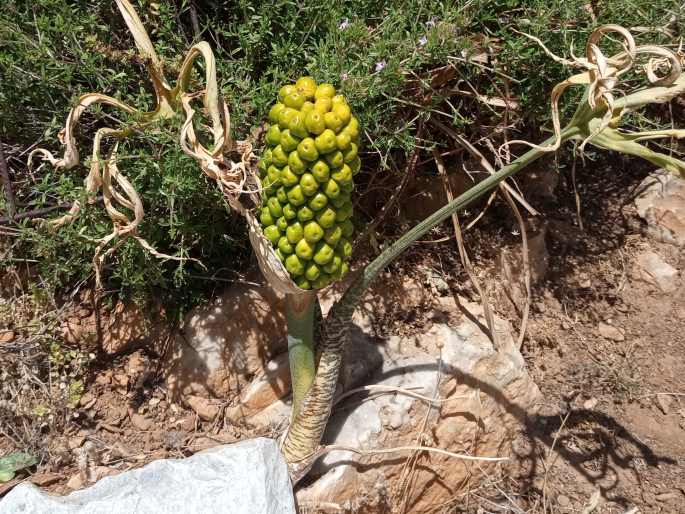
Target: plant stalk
[[308, 424], [300, 311]]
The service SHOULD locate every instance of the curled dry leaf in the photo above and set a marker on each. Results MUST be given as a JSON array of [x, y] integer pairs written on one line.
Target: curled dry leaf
[[231, 164], [599, 114]]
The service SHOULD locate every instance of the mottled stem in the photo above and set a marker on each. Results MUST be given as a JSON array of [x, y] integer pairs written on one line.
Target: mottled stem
[[300, 310], [308, 424]]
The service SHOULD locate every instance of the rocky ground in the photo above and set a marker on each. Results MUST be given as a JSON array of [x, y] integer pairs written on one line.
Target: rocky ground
[[589, 407]]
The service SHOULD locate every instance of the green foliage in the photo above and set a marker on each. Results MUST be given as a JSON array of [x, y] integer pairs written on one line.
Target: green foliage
[[380, 54]]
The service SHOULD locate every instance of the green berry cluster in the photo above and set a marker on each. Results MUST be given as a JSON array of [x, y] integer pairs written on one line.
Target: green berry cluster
[[307, 172]]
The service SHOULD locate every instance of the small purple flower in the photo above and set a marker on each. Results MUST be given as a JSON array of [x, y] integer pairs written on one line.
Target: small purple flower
[[344, 24], [423, 41], [344, 77], [380, 65], [431, 23]]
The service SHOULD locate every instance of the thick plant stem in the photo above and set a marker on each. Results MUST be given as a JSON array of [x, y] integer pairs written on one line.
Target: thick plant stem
[[300, 310], [307, 427]]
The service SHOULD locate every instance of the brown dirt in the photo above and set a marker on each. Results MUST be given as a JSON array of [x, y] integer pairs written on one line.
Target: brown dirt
[[606, 426]]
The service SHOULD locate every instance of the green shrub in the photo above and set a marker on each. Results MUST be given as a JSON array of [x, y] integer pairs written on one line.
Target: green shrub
[[379, 54]]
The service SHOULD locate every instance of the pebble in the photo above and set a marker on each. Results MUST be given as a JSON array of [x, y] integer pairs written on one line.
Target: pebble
[[610, 332]]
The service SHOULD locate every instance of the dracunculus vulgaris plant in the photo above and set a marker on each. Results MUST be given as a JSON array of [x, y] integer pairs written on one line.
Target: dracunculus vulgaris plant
[[315, 345]]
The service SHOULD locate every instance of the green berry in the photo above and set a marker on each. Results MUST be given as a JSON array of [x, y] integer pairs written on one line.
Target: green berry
[[323, 254], [296, 164], [309, 184], [303, 283], [314, 122], [326, 141], [307, 150], [335, 159], [272, 234], [344, 212], [347, 228], [289, 212], [343, 175], [332, 235], [284, 246], [334, 265], [273, 135], [326, 217], [296, 196], [282, 223], [281, 195], [266, 218], [285, 91], [321, 171], [275, 111], [279, 157], [288, 141], [304, 250], [274, 207], [297, 126], [304, 214], [313, 232], [288, 178], [294, 265], [294, 233], [333, 122], [351, 153], [331, 189], [318, 202], [312, 272]]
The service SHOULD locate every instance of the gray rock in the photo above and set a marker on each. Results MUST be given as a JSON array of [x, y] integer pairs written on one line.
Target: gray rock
[[250, 477], [488, 386], [226, 342], [655, 270], [661, 203]]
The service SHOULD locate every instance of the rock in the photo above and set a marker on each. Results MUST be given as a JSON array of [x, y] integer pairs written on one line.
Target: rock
[[250, 477], [653, 269], [269, 387], [6, 336], [226, 342], [667, 497], [661, 203], [45, 479], [270, 420], [492, 397], [590, 403], [664, 403], [75, 482], [610, 332], [563, 501], [206, 408], [141, 422]]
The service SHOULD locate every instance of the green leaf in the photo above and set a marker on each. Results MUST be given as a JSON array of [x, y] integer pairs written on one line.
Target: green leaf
[[14, 462]]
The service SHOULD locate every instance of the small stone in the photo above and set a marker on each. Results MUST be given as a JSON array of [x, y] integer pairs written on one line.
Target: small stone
[[661, 203], [203, 443], [590, 404], [7, 336], [205, 408], [141, 422], [45, 479], [610, 332], [563, 501], [75, 482], [666, 497], [664, 403], [653, 269]]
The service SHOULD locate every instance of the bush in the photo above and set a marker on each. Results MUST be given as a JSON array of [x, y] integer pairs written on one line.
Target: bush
[[383, 55]]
